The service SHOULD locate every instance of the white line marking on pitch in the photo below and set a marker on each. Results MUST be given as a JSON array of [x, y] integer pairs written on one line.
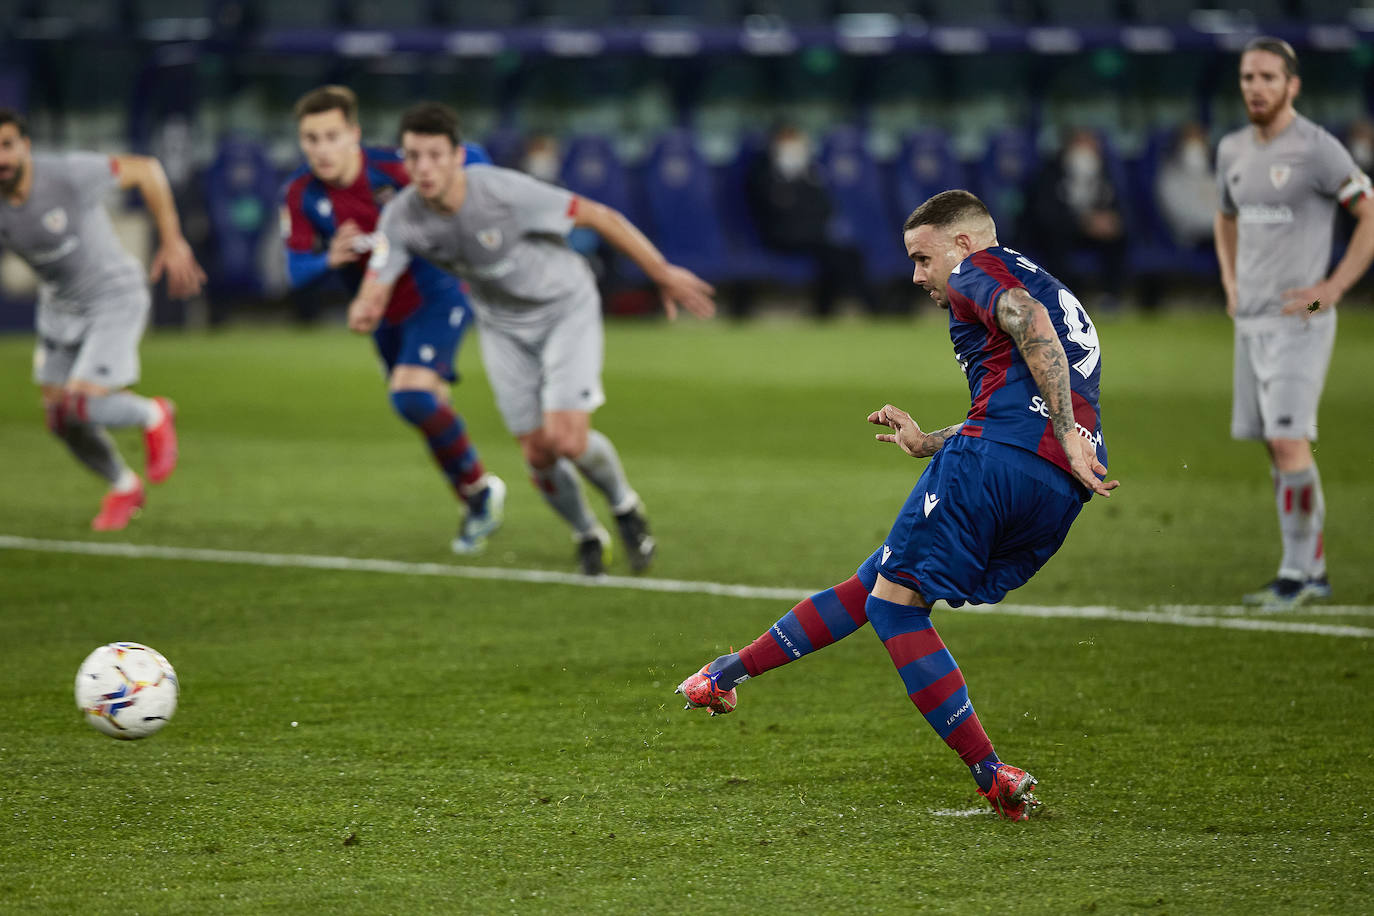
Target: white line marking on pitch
[[1174, 615]]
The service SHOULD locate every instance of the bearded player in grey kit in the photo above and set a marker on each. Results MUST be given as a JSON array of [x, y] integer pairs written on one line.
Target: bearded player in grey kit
[[93, 302], [1281, 180]]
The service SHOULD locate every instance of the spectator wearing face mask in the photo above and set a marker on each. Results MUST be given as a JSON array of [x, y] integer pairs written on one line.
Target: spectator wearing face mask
[[792, 208], [1075, 205], [543, 159], [1359, 140], [1186, 188]]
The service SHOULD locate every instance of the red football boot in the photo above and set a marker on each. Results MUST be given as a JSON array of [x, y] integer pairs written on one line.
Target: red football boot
[[1010, 795], [117, 508], [701, 690], [160, 444]]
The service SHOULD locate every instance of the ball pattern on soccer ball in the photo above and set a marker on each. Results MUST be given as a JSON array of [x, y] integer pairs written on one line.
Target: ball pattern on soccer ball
[[126, 690]]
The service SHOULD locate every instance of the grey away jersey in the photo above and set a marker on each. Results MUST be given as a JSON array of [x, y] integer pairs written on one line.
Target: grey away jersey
[[1283, 195], [64, 233], [507, 240]]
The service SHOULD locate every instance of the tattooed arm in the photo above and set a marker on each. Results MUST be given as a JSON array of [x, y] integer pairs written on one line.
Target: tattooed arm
[[1028, 325]]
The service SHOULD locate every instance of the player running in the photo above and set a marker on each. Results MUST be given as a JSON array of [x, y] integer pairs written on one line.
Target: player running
[[1280, 180], [993, 505], [93, 303], [330, 211], [504, 232]]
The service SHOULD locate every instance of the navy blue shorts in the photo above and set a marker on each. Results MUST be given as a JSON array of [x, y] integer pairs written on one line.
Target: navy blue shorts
[[428, 338], [981, 520]]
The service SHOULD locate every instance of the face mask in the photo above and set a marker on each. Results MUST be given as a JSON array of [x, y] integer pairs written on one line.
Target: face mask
[[1082, 162], [1194, 159], [542, 164], [1362, 151], [791, 157]]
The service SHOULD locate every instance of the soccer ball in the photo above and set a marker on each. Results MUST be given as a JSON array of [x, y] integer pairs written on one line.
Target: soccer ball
[[126, 690]]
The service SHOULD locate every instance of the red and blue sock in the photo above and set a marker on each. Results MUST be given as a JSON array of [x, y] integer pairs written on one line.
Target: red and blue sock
[[934, 683], [448, 440], [814, 624]]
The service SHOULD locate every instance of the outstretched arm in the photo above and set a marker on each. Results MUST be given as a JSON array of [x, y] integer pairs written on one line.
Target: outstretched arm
[[678, 286], [173, 256], [1029, 326]]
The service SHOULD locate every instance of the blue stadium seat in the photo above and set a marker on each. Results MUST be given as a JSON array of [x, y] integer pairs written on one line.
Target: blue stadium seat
[[1007, 167], [863, 214], [1153, 248], [925, 166], [592, 168], [241, 187], [505, 146], [680, 201]]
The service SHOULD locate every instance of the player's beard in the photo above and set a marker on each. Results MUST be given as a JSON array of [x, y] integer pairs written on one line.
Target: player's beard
[[9, 185], [1266, 116]]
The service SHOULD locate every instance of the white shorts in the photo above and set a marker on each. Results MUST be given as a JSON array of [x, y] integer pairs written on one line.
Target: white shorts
[[99, 347], [1278, 379], [553, 365]]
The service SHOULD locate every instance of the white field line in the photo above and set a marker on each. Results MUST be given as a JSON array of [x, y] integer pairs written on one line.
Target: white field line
[[1174, 615]]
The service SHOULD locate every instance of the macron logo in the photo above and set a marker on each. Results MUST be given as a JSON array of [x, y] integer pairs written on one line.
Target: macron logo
[[931, 503], [887, 552]]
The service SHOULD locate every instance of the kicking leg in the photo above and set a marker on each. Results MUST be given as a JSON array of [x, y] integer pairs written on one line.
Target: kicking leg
[[815, 623]]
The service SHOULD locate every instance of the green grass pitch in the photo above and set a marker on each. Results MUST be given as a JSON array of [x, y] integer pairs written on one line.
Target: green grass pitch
[[367, 742]]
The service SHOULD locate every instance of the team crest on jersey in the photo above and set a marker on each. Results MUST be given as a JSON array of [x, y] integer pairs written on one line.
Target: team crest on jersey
[[1279, 175], [55, 220], [490, 238], [324, 207]]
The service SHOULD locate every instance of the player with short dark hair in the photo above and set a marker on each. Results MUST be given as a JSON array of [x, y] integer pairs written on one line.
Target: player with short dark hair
[[330, 211], [505, 233], [93, 302], [993, 505], [1280, 180]]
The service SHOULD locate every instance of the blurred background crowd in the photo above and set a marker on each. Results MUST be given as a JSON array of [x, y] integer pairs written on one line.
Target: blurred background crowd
[[773, 146]]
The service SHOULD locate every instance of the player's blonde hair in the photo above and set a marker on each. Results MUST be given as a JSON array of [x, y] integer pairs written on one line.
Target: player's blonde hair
[[328, 98]]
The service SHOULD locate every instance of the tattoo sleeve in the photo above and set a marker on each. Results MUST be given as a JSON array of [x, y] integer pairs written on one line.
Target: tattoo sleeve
[[1028, 325], [934, 441]]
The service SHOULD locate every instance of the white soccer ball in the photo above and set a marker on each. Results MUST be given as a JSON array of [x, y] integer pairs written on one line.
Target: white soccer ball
[[126, 690]]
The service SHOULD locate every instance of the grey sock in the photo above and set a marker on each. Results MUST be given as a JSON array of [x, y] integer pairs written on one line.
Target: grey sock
[[600, 463], [561, 490], [1302, 512], [94, 448], [120, 409]]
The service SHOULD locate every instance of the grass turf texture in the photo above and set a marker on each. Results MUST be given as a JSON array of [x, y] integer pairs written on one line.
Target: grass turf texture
[[489, 747]]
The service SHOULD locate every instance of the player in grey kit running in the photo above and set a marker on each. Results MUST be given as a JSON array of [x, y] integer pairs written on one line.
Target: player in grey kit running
[[93, 302], [538, 310], [1281, 179]]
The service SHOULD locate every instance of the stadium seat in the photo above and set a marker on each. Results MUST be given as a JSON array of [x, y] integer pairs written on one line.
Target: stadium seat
[[1007, 167], [863, 213], [680, 201], [240, 193], [592, 168], [925, 166], [1153, 249]]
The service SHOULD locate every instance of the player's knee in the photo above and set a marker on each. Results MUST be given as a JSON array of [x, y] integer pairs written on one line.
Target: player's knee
[[569, 443], [415, 407], [537, 450]]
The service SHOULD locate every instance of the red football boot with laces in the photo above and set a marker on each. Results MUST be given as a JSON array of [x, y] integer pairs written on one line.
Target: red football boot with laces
[[117, 508], [160, 444], [1010, 795]]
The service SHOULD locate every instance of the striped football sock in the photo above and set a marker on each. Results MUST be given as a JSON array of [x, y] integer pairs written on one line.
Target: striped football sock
[[448, 440], [933, 680]]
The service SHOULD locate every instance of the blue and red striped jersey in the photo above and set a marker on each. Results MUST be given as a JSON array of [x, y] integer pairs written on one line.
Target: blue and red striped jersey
[[312, 211], [1007, 406]]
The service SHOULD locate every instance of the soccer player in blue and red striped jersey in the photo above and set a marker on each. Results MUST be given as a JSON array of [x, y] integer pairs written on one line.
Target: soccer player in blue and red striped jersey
[[329, 213], [995, 501]]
